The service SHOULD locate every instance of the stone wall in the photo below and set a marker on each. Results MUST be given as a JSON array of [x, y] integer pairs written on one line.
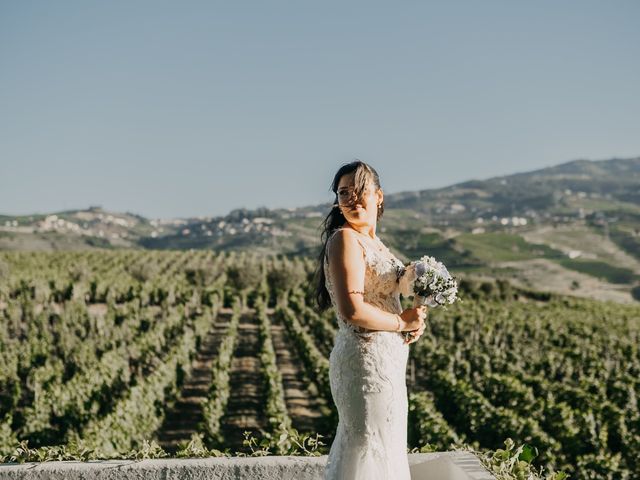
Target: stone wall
[[424, 466]]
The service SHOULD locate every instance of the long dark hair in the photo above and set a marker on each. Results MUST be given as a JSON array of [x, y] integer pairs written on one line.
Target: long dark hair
[[334, 220]]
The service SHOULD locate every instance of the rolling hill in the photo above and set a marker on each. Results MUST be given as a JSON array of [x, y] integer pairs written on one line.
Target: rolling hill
[[572, 228]]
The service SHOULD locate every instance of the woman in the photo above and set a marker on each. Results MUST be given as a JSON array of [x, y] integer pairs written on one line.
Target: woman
[[358, 276]]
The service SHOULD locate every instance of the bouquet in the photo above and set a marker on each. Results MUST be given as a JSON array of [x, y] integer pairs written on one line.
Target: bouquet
[[429, 282]]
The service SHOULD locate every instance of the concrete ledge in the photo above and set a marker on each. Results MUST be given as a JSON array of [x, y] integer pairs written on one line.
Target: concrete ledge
[[424, 466]]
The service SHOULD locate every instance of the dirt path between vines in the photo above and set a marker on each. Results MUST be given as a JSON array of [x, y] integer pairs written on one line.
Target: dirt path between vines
[[307, 409], [182, 420], [245, 409]]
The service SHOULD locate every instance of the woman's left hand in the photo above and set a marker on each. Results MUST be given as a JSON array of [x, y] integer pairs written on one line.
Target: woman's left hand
[[414, 335]]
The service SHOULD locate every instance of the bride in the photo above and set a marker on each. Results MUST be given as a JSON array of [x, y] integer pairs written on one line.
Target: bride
[[358, 276]]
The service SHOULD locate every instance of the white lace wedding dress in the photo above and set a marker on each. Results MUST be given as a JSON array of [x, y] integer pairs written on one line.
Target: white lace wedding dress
[[367, 375]]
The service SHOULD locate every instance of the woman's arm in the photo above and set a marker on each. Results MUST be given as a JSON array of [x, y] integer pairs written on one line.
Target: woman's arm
[[347, 269]]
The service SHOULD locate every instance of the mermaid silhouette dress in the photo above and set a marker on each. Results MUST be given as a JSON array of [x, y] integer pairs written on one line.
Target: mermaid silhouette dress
[[367, 376]]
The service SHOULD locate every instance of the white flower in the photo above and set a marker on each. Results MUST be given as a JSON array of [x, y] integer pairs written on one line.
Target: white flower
[[432, 278]]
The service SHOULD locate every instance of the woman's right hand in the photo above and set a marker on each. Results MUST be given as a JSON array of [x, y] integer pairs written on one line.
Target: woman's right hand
[[413, 318]]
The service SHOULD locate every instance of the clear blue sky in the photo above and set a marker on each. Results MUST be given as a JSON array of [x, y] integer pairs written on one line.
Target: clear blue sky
[[174, 109]]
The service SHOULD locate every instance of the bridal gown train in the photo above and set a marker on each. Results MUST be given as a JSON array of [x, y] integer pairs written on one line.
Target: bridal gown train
[[367, 377]]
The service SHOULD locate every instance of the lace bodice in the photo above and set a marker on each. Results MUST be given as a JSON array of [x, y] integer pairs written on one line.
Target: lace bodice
[[380, 283]]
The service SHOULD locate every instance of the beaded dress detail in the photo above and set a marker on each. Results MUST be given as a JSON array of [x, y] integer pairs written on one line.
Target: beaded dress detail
[[367, 371]]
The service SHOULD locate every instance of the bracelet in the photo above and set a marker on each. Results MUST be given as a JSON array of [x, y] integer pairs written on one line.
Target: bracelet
[[398, 318]]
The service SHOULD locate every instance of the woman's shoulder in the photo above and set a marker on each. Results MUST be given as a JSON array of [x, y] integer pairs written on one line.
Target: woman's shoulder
[[342, 235]]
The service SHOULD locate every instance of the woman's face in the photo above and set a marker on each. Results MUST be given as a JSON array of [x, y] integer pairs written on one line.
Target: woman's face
[[361, 212]]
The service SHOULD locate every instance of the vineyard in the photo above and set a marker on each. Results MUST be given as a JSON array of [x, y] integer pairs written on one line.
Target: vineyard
[[110, 349]]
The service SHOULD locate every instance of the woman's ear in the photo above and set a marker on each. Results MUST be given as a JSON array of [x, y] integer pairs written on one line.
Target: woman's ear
[[380, 196]]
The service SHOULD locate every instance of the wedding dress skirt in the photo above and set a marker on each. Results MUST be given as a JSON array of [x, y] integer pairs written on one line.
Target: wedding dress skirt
[[367, 377]]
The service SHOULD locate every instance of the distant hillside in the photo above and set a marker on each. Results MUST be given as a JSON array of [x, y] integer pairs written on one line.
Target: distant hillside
[[568, 225]]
